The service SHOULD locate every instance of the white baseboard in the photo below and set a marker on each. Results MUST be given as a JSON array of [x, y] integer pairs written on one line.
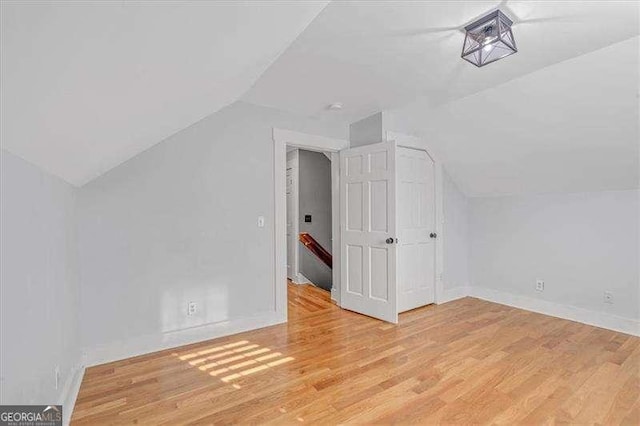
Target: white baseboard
[[70, 393], [301, 279], [454, 293], [156, 342], [573, 313]]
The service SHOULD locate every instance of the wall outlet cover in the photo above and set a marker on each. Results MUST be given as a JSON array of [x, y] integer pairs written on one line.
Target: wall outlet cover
[[608, 297], [539, 285], [192, 307]]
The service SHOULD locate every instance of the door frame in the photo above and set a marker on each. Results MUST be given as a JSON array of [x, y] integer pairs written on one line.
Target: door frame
[[281, 139], [295, 276]]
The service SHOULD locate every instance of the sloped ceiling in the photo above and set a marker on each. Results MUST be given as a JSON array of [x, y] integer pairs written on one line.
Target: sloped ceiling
[[377, 55], [570, 127], [561, 115], [87, 85]]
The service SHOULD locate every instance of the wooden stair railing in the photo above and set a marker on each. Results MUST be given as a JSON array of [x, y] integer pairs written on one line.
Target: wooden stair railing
[[314, 247]]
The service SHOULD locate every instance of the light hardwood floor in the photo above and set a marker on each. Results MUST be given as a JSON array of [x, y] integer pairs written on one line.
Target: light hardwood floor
[[467, 361]]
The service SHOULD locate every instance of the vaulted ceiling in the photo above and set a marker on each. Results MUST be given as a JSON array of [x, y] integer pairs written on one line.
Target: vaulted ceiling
[[570, 127], [377, 55], [86, 86]]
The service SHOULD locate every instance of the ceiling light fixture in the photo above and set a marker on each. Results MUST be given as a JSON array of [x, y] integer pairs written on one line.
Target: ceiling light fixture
[[488, 39], [336, 106]]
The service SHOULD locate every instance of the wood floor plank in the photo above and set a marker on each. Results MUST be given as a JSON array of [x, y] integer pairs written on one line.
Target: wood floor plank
[[463, 362]]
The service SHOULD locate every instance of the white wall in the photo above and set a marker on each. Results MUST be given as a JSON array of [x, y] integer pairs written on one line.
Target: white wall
[[39, 287], [455, 274], [176, 224], [568, 129], [367, 131], [580, 244]]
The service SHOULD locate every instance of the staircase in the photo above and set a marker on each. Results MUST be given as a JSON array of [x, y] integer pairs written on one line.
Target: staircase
[[314, 247]]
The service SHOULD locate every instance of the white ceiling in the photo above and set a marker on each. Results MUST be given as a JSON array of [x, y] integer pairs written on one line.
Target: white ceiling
[[561, 115], [376, 55], [87, 85], [570, 127]]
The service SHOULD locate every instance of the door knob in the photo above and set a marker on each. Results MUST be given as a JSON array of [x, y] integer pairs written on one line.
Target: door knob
[[391, 240], [433, 235]]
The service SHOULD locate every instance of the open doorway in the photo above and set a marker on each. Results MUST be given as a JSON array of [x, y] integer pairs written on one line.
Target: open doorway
[[377, 190], [286, 140], [309, 219]]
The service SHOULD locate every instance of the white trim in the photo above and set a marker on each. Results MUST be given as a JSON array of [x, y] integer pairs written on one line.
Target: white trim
[[301, 279], [159, 341], [70, 393], [558, 310], [573, 313], [418, 143], [455, 293], [335, 226], [282, 138], [280, 226], [295, 276], [156, 342], [307, 141]]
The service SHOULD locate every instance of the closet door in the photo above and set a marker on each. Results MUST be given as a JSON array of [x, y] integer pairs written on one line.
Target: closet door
[[416, 228]]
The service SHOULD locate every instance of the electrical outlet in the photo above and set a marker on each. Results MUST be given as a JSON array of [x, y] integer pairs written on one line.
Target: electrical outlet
[[192, 307], [539, 285], [608, 297], [56, 372]]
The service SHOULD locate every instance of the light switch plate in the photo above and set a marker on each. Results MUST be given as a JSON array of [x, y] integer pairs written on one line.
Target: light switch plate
[[192, 308]]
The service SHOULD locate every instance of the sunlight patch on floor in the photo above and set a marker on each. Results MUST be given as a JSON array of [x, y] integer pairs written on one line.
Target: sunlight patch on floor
[[211, 350], [239, 358]]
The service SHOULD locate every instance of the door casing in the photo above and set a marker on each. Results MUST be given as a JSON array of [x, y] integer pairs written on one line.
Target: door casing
[[282, 138]]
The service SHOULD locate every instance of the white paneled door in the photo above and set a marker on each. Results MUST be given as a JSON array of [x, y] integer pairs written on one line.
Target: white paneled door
[[368, 230], [416, 228]]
